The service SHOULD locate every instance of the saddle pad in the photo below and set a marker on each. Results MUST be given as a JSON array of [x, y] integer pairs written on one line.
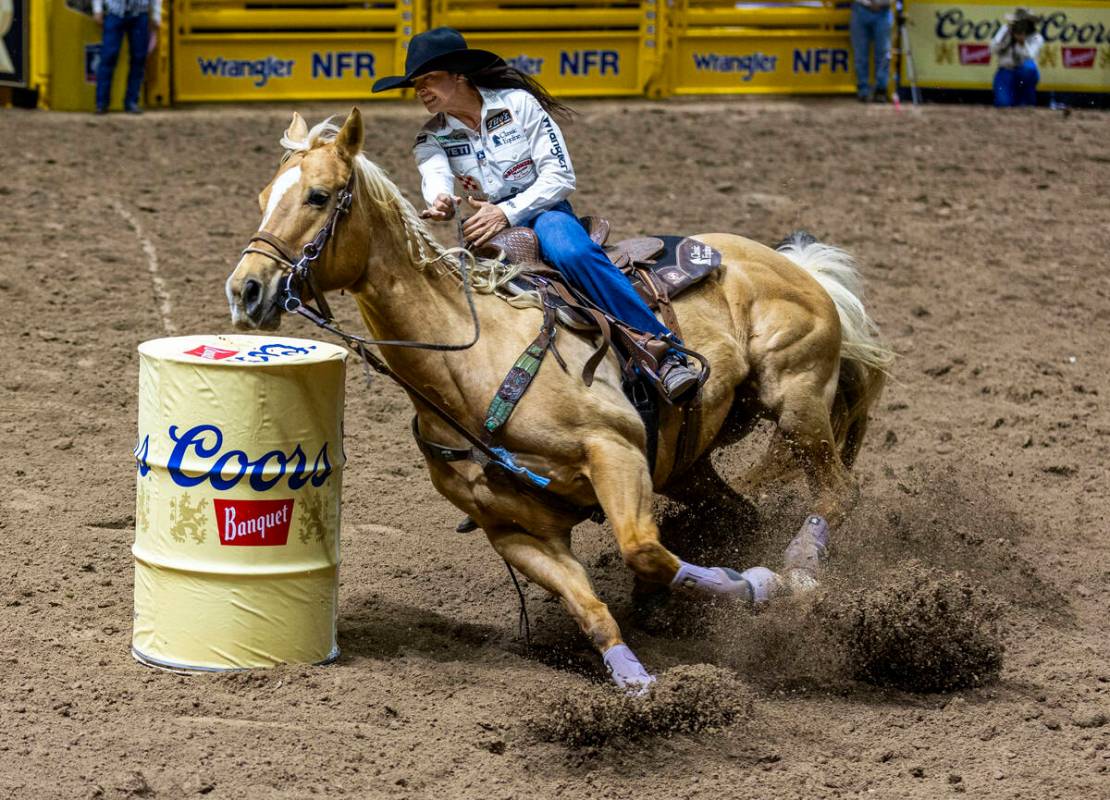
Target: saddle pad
[[683, 263]]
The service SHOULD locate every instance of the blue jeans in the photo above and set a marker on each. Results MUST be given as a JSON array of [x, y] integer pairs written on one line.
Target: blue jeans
[[1018, 86], [137, 30], [870, 32], [565, 245]]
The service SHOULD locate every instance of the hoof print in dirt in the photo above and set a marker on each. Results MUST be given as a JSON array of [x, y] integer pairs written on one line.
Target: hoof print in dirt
[[922, 631], [684, 700]]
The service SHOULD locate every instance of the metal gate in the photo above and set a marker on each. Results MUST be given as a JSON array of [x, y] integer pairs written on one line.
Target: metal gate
[[287, 49]]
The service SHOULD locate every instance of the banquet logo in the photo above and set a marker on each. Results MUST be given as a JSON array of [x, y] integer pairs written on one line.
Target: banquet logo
[[1079, 57], [254, 523], [975, 54], [199, 449]]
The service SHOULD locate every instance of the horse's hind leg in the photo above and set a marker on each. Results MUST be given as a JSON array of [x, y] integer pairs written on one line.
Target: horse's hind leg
[[620, 479], [805, 424], [551, 563]]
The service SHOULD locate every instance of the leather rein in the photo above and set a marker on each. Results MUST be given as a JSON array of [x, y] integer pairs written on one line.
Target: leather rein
[[299, 278]]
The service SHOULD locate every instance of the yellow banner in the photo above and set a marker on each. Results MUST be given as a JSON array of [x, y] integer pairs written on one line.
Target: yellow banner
[[950, 44], [275, 66], [577, 64], [720, 61]]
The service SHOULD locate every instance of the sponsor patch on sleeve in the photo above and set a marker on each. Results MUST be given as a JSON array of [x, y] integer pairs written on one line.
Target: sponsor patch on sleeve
[[457, 150], [499, 119], [421, 138], [520, 170]]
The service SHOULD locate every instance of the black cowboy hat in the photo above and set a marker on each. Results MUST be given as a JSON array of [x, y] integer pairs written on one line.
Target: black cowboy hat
[[1022, 15], [439, 48]]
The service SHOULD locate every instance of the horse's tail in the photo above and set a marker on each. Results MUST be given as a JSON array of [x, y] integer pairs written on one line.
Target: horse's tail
[[865, 360]]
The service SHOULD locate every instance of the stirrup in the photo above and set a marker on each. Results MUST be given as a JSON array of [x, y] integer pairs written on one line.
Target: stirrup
[[678, 380]]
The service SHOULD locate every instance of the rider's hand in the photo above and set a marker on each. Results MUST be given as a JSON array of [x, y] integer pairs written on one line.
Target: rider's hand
[[442, 209], [489, 219], [98, 17]]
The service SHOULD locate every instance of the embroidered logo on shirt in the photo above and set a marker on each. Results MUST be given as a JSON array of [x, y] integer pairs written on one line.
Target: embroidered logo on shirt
[[519, 170], [499, 119], [468, 183], [556, 147], [422, 138], [508, 137], [457, 150]]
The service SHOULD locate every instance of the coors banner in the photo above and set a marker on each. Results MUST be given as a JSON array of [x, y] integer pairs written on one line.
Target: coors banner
[[238, 465], [951, 43]]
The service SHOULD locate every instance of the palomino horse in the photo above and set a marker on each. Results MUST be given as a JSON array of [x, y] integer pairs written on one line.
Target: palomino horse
[[785, 331]]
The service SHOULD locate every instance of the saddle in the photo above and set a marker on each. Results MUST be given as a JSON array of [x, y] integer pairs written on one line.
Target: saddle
[[659, 268]]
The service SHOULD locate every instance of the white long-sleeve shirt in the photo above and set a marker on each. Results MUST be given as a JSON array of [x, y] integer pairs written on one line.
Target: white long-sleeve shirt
[[123, 8], [517, 157], [1011, 57]]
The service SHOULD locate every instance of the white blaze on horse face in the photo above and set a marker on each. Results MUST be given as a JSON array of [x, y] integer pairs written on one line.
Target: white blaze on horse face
[[287, 179]]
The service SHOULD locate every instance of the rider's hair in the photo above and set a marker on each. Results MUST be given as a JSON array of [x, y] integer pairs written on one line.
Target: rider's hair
[[503, 76]]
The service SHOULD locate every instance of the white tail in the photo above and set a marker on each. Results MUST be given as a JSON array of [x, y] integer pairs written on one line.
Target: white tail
[[836, 271]]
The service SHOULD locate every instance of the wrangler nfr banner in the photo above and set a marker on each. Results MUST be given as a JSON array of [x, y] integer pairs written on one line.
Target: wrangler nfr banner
[[950, 44]]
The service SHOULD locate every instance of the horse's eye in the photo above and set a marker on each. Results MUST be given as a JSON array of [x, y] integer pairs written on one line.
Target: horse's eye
[[318, 198]]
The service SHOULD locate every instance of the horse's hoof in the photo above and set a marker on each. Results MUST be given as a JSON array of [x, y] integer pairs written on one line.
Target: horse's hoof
[[764, 584], [626, 670]]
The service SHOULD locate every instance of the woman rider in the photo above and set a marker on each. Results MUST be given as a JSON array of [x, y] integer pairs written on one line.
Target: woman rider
[[493, 131]]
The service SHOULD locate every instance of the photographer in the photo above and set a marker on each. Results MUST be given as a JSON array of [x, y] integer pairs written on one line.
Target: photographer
[[1016, 44]]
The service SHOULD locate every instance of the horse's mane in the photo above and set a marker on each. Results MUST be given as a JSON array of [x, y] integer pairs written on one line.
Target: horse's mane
[[373, 186]]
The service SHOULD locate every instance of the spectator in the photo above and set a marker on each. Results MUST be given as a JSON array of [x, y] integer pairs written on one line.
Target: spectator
[[135, 19], [1017, 44], [870, 32]]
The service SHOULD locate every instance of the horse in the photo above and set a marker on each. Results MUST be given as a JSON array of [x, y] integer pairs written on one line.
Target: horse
[[785, 331]]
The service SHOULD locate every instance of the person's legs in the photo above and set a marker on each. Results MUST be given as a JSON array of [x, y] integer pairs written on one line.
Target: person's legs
[[859, 31], [110, 41], [884, 21], [565, 245], [1025, 84], [1004, 87], [138, 38]]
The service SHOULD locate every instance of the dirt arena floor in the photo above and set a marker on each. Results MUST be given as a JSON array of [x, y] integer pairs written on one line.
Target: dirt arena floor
[[983, 241]]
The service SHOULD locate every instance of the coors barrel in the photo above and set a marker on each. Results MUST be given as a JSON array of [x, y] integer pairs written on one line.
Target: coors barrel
[[239, 465]]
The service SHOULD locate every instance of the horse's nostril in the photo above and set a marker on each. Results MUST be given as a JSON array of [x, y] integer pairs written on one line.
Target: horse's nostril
[[252, 295]]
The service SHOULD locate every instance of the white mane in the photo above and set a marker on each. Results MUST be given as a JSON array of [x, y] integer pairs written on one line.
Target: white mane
[[374, 186]]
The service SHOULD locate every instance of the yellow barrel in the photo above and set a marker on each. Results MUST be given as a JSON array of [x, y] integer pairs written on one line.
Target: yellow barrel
[[239, 468]]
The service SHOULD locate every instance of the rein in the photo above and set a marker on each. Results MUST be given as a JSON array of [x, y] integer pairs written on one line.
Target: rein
[[299, 274]]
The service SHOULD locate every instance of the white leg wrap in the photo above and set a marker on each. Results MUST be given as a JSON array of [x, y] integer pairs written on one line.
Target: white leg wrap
[[765, 583], [711, 580], [626, 670]]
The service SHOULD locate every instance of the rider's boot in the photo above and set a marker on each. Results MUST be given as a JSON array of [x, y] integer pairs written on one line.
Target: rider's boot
[[678, 379]]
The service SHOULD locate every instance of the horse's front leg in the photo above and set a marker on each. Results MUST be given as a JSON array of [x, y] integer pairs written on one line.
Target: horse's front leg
[[550, 562], [622, 483]]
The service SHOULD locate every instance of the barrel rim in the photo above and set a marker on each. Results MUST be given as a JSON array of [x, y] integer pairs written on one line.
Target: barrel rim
[[160, 349]]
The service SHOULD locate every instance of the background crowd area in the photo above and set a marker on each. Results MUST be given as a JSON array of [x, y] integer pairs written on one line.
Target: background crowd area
[[130, 55]]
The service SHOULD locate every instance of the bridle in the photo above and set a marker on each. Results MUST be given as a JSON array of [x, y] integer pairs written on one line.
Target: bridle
[[298, 277]]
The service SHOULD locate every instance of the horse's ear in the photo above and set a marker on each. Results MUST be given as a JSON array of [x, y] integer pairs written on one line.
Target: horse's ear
[[297, 130], [349, 140]]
